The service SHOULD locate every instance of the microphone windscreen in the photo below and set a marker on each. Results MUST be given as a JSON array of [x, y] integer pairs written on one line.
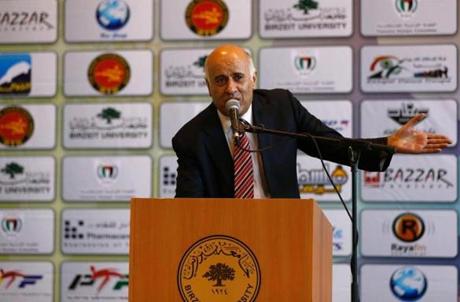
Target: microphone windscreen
[[232, 104]]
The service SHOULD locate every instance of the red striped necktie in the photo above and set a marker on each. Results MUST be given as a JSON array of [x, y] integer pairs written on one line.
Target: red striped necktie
[[243, 170]]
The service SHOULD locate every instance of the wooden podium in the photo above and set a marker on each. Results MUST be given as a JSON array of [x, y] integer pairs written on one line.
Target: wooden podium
[[213, 250]]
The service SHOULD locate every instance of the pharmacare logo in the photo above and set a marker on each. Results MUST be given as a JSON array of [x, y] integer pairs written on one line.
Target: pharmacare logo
[[305, 64], [408, 284], [11, 225], [16, 279], [100, 279], [15, 74], [406, 8], [415, 178], [186, 76], [16, 126], [112, 14], [315, 181], [25, 21]]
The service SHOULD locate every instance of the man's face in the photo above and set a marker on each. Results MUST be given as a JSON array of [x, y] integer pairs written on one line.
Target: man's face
[[229, 78]]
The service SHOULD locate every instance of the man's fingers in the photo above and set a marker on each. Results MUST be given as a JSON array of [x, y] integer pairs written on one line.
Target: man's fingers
[[415, 120]]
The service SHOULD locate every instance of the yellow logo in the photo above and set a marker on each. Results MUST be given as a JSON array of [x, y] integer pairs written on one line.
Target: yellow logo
[[219, 268]]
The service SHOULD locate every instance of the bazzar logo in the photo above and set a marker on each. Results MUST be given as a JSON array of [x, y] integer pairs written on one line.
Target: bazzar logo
[[206, 17], [112, 14], [11, 277], [25, 21], [424, 178], [408, 284], [107, 278]]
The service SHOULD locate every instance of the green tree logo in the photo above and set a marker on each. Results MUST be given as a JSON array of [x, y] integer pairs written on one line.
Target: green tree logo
[[109, 114], [306, 5], [220, 272], [12, 169], [200, 62]]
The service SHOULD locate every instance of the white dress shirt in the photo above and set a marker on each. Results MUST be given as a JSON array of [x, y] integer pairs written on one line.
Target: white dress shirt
[[260, 185]]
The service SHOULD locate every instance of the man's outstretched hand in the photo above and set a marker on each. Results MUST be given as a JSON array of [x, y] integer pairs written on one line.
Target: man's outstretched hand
[[408, 140]]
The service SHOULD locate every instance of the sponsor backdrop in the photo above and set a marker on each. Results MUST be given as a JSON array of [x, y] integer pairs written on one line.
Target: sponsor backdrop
[[91, 93]]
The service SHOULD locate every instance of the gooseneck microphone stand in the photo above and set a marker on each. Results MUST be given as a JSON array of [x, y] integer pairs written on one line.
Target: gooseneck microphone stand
[[355, 147]]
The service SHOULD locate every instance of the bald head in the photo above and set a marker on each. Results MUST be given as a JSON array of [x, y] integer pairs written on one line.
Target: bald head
[[228, 51], [230, 74]]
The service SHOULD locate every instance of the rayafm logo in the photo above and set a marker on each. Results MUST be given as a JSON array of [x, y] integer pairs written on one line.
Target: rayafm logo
[[219, 268], [408, 227], [206, 17]]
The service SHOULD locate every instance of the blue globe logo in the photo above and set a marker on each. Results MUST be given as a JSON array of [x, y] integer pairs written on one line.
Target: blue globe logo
[[408, 284], [112, 14]]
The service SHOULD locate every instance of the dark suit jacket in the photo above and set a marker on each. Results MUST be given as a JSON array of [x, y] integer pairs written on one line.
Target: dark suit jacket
[[206, 165]]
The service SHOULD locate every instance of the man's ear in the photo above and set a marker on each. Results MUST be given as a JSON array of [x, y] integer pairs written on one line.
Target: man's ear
[[254, 80], [207, 85]]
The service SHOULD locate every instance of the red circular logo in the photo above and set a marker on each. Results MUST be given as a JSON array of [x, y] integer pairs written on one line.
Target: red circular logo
[[206, 17], [109, 73], [16, 126]]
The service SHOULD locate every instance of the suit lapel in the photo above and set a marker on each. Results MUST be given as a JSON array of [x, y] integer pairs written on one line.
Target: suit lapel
[[217, 146], [261, 113]]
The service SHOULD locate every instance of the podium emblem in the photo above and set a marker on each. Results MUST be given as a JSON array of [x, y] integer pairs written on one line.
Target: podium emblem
[[219, 268]]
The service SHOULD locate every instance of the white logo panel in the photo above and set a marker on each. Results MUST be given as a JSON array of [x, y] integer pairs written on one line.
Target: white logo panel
[[109, 178], [314, 183], [408, 18], [27, 179], [94, 281], [27, 231], [307, 70], [108, 125], [168, 175], [413, 178], [175, 115], [27, 282], [27, 74], [382, 118], [28, 127], [341, 231], [415, 68], [289, 19], [116, 73], [28, 21], [414, 233], [182, 71], [341, 283], [388, 283], [335, 114], [101, 231], [208, 18], [108, 20]]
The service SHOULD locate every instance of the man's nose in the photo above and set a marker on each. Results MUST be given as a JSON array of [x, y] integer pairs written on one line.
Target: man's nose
[[231, 87]]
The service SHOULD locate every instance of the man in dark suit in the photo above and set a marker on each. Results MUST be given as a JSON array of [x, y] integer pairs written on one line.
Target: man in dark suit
[[204, 146]]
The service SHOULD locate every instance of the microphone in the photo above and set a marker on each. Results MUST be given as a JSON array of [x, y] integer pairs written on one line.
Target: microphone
[[233, 111]]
